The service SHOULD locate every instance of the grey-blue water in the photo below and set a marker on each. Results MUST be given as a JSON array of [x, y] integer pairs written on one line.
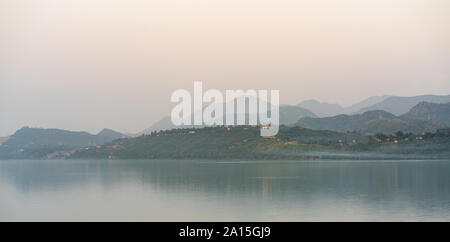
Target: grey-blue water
[[73, 190]]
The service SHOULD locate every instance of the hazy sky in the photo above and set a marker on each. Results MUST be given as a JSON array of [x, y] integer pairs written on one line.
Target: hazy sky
[[89, 64]]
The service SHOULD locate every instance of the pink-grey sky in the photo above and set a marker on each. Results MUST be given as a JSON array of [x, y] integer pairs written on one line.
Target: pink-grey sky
[[90, 64]]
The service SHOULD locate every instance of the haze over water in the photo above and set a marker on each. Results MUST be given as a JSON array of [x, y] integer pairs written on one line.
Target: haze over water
[[153, 190]]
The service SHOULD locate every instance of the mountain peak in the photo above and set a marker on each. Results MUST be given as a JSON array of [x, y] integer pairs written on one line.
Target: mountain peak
[[439, 112], [110, 133], [369, 122], [401, 105], [321, 109]]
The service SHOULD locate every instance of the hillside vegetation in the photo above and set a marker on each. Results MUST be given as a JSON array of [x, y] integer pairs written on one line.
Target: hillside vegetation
[[244, 142], [29, 143]]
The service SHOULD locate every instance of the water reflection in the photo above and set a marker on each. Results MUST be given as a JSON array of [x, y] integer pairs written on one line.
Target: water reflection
[[212, 190]]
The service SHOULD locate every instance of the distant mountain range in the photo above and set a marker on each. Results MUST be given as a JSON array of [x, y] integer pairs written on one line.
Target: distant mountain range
[[36, 142], [343, 122], [288, 116], [392, 104], [291, 114], [424, 117], [323, 109], [301, 130], [107, 135], [401, 105], [312, 109], [439, 113]]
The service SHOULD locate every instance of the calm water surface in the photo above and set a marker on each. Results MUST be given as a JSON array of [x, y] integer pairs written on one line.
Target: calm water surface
[[67, 190]]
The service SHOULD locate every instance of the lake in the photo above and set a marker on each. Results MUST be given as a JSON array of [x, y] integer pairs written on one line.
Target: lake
[[163, 190]]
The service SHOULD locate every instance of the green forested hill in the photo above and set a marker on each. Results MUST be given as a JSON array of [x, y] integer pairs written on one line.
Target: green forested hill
[[237, 142], [218, 142], [438, 112], [244, 142], [37, 143], [343, 122], [401, 105], [371, 122]]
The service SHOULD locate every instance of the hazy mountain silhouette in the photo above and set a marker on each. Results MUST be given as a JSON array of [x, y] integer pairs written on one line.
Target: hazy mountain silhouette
[[430, 111], [312, 108], [36, 142], [288, 115], [365, 103], [343, 122], [109, 134], [377, 121], [291, 114], [401, 105], [323, 109], [391, 126]]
